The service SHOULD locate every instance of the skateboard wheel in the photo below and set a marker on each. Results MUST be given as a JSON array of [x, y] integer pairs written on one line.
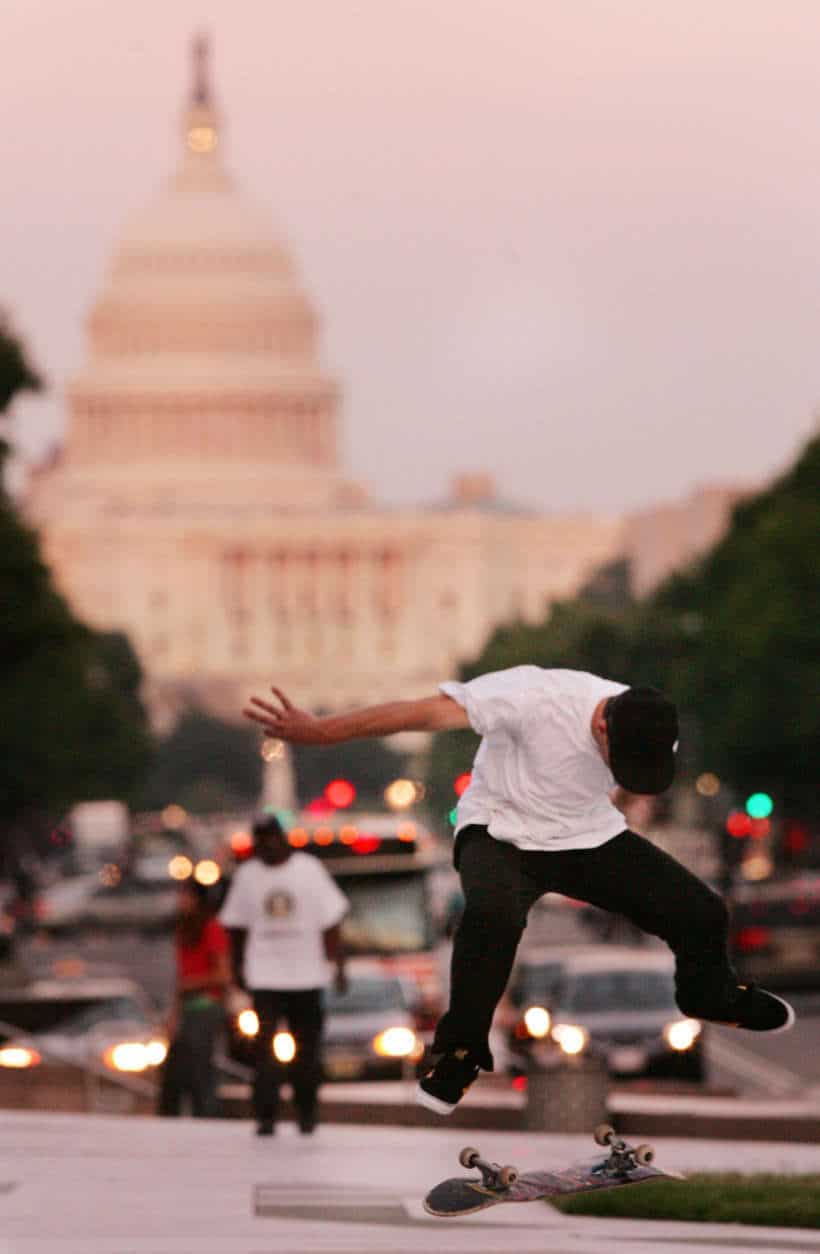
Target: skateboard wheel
[[507, 1176], [469, 1156], [644, 1155], [603, 1134]]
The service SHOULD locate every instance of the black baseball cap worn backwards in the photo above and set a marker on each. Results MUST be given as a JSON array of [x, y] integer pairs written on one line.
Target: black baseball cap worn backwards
[[642, 728]]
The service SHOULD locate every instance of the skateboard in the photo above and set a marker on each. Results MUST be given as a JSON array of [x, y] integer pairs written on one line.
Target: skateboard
[[463, 1195]]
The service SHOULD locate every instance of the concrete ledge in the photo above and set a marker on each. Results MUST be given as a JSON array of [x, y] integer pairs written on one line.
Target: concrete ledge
[[716, 1117], [492, 1104]]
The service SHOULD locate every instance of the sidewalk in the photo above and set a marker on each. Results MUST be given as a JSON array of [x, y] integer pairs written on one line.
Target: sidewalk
[[74, 1184]]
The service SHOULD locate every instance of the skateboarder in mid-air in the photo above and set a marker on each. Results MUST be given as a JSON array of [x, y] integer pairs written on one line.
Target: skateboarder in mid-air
[[560, 750]]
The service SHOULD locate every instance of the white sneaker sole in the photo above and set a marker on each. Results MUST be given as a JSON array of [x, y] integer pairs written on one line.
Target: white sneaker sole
[[790, 1020], [436, 1104]]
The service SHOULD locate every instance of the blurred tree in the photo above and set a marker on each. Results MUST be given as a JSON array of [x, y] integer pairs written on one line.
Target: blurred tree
[[73, 727], [753, 604], [205, 764], [16, 372]]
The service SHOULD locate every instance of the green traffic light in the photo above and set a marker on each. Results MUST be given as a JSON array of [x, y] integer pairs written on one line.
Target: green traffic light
[[452, 816], [759, 805]]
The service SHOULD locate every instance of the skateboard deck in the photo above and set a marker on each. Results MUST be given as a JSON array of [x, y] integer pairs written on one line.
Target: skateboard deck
[[463, 1195]]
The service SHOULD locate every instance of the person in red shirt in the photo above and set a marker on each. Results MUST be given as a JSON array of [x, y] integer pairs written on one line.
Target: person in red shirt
[[197, 1016]]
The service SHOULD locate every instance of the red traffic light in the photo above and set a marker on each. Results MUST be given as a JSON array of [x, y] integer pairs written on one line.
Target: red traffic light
[[739, 824], [462, 783], [340, 793]]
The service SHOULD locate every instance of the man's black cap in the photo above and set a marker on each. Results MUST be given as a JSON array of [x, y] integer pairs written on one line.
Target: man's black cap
[[642, 726]]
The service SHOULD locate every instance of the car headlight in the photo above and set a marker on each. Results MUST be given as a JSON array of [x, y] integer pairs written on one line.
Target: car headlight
[[537, 1021], [284, 1047], [682, 1033], [395, 1043], [130, 1056], [18, 1057], [248, 1022], [156, 1052], [571, 1038]]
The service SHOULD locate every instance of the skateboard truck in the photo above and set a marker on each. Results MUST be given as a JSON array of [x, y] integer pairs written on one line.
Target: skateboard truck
[[623, 1158], [493, 1176]]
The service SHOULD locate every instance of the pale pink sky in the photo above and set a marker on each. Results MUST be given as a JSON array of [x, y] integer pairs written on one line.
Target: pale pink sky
[[575, 241]]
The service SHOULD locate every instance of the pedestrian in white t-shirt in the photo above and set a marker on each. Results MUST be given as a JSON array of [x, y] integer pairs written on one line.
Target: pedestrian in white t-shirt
[[283, 913], [559, 749]]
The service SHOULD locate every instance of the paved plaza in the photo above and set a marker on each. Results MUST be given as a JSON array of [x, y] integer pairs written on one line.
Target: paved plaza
[[80, 1184]]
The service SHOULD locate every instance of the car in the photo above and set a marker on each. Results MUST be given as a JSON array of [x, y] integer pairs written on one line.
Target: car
[[91, 1023], [775, 931], [524, 1014], [370, 1028], [618, 1004]]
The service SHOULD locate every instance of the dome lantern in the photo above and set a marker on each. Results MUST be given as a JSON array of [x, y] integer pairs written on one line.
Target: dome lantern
[[201, 121]]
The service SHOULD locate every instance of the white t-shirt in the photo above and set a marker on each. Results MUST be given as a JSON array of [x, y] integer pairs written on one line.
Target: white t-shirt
[[285, 910], [539, 780]]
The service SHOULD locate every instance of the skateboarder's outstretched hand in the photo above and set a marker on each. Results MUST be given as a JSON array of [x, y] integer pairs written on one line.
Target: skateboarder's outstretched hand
[[285, 721]]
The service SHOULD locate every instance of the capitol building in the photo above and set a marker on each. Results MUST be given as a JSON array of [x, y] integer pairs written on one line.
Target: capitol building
[[198, 503]]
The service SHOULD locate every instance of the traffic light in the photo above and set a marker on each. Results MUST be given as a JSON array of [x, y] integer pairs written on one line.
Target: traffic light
[[340, 793], [759, 805], [739, 824]]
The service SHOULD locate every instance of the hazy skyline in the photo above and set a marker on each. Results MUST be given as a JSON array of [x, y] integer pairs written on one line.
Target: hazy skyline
[[575, 243]]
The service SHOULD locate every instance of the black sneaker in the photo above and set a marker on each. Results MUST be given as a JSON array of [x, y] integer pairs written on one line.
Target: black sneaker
[[444, 1085], [265, 1127], [756, 1010]]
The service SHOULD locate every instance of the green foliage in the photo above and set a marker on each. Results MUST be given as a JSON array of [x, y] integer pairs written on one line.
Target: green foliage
[[720, 1197], [16, 372], [73, 727], [205, 764], [753, 676]]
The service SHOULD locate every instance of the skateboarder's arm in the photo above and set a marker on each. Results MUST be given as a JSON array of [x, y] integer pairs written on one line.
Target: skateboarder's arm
[[286, 722]]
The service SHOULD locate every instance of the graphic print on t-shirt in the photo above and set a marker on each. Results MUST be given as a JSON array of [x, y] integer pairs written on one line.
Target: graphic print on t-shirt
[[279, 905]]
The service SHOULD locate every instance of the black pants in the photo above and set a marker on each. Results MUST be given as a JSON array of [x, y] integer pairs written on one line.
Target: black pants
[[189, 1067], [627, 875], [302, 1011]]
